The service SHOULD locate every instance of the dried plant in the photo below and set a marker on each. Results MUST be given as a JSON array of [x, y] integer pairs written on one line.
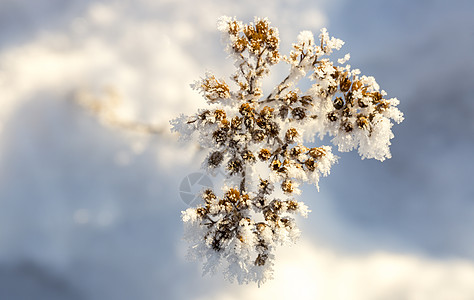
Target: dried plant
[[259, 143]]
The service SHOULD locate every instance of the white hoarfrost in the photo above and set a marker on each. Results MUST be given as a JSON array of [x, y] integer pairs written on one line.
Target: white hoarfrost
[[259, 143]]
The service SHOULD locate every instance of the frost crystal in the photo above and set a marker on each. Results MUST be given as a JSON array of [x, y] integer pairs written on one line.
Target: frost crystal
[[259, 143]]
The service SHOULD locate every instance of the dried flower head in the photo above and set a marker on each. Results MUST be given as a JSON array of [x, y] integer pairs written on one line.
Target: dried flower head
[[228, 230]]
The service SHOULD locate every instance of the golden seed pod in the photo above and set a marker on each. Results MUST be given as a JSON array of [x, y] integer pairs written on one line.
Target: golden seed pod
[[220, 136], [234, 166], [236, 123], [276, 165], [338, 103], [219, 114], [215, 159], [264, 154], [290, 135], [232, 195], [201, 211], [348, 127], [298, 113], [261, 259], [208, 196], [317, 152], [258, 135], [246, 110], [261, 226], [215, 89], [332, 117], [292, 205], [248, 156], [287, 186], [291, 97], [310, 164], [362, 122], [345, 84]]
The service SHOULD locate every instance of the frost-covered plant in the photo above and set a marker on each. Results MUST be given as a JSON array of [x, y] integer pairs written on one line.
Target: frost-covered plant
[[259, 142]]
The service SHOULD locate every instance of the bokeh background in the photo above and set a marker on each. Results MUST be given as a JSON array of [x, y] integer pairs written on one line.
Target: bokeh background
[[91, 211]]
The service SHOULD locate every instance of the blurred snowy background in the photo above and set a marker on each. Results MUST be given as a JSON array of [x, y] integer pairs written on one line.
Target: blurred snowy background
[[88, 211]]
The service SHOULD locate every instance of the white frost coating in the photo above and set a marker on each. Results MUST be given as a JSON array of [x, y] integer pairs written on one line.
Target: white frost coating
[[258, 142], [306, 38], [329, 44], [181, 126], [223, 23], [345, 59]]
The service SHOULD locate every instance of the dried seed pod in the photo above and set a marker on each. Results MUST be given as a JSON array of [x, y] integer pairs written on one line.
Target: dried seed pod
[[346, 112], [377, 96], [362, 103], [269, 215], [246, 110], [356, 85], [232, 195], [298, 113], [215, 159], [297, 150], [345, 84], [233, 145], [261, 259], [290, 135], [248, 156], [349, 96], [234, 166], [276, 165], [260, 226], [310, 164], [219, 114], [261, 122], [258, 135], [259, 202], [306, 100], [317, 153], [215, 89], [292, 205], [264, 154], [382, 105], [240, 45], [332, 116], [287, 186], [362, 122], [208, 196], [331, 90], [249, 121], [266, 113], [286, 222], [220, 136], [236, 123], [348, 127], [338, 103], [291, 97], [276, 205], [283, 112], [225, 125], [273, 129], [201, 211]]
